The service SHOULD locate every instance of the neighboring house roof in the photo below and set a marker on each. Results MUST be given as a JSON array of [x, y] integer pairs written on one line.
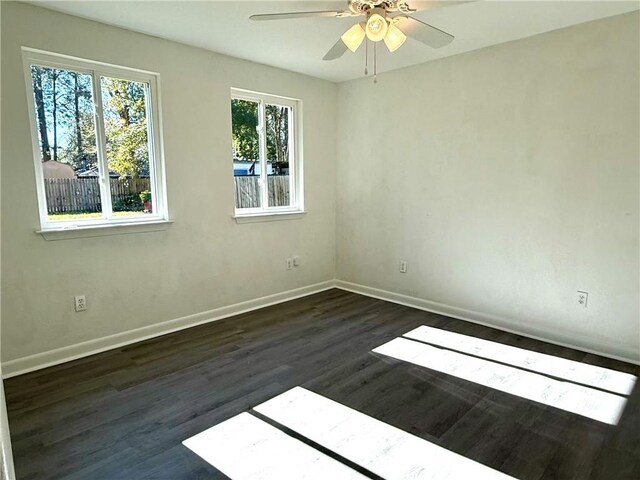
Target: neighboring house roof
[[93, 172], [51, 169]]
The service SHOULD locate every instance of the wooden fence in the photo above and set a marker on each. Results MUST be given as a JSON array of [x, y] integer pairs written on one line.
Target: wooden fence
[[83, 194], [65, 195], [247, 191]]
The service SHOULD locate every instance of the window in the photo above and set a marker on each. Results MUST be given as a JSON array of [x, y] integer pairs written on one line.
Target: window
[[96, 143], [266, 154]]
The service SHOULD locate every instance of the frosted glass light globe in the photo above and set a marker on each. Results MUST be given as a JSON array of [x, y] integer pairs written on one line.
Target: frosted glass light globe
[[376, 28]]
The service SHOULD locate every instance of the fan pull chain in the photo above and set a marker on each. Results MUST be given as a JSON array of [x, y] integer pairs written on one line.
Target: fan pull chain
[[375, 63], [366, 56]]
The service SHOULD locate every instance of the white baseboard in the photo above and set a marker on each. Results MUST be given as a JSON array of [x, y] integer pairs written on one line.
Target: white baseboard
[[614, 351], [42, 360], [38, 361]]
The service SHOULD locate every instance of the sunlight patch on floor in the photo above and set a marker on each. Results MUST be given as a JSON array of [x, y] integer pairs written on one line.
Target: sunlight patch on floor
[[382, 449], [245, 447], [591, 375], [588, 402]]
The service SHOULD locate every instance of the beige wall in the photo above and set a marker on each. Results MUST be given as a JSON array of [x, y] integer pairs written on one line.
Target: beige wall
[[508, 179], [203, 261]]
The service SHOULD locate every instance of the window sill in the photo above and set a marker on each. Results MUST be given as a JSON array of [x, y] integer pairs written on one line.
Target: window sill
[[87, 231], [268, 217]]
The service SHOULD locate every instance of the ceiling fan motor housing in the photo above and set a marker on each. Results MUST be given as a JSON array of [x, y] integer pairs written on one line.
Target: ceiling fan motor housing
[[361, 7]]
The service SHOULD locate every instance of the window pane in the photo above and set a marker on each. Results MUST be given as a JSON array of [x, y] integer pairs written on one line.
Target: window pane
[[279, 187], [67, 139], [246, 153], [125, 122]]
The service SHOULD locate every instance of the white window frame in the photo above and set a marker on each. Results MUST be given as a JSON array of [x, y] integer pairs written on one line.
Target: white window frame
[[154, 137], [296, 187]]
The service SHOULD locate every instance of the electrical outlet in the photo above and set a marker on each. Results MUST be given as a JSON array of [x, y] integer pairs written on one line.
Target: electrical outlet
[[289, 263], [296, 261], [80, 303], [403, 266], [583, 298]]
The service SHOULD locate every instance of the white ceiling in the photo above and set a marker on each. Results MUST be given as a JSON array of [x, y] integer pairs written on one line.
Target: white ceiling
[[299, 45]]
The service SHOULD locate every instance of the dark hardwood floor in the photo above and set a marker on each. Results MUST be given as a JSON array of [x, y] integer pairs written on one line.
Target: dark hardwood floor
[[123, 414]]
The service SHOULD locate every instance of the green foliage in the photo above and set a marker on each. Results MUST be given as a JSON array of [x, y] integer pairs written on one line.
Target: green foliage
[[64, 115], [244, 118], [126, 126], [277, 133], [145, 196], [129, 202], [127, 150], [83, 156]]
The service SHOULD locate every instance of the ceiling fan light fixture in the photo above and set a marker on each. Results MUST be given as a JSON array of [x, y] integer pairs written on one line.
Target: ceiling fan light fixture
[[353, 37], [394, 38], [376, 27]]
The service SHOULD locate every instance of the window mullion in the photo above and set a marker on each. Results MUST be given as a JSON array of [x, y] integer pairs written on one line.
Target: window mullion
[[264, 193], [153, 163], [101, 148], [293, 194]]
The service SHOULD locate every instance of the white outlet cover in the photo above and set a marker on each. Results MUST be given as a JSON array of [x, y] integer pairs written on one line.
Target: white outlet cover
[[583, 298], [80, 302]]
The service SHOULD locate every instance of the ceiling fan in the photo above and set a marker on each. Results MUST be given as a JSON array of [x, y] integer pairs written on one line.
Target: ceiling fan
[[386, 20]]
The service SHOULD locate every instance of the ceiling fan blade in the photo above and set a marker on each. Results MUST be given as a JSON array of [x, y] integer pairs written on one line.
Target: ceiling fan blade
[[288, 15], [336, 51], [422, 5], [423, 32]]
